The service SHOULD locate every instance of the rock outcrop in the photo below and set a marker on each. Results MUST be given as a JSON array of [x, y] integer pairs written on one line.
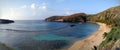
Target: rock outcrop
[[54, 18], [5, 21], [78, 17], [110, 17]]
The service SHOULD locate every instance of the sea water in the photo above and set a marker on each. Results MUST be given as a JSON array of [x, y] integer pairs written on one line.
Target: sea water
[[41, 35]]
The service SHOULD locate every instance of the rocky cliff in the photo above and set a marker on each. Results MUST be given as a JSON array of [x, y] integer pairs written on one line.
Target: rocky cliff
[[110, 17], [78, 17]]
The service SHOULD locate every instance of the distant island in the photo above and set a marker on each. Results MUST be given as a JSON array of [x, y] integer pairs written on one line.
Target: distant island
[[110, 17], [6, 21]]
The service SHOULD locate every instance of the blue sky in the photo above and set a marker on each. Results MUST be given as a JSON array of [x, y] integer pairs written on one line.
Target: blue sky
[[41, 9]]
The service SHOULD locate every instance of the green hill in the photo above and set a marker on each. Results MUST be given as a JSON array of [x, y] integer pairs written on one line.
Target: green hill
[[78, 17], [110, 17]]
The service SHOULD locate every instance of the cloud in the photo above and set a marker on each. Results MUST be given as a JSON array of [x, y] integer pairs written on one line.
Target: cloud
[[31, 12], [9, 13], [36, 11], [33, 5], [43, 7]]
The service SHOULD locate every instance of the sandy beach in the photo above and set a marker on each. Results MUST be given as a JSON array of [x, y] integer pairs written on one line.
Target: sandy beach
[[94, 40]]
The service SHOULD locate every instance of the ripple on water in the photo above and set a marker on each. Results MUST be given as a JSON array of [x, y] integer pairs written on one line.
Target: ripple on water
[[51, 37]]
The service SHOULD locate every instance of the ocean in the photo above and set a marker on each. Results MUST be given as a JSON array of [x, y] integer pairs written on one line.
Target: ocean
[[41, 35]]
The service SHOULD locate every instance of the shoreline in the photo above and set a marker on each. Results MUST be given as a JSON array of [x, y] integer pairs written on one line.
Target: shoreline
[[93, 40]]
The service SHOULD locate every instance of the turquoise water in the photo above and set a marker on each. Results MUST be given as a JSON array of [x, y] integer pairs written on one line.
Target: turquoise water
[[40, 35], [51, 37]]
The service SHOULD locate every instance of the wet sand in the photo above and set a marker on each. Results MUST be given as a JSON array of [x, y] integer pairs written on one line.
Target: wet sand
[[94, 40]]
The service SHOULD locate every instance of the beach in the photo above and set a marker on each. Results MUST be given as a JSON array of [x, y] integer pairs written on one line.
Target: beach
[[93, 40]]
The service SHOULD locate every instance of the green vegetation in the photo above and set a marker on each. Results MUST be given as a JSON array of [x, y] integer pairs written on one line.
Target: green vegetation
[[5, 47], [111, 38], [105, 34], [110, 17]]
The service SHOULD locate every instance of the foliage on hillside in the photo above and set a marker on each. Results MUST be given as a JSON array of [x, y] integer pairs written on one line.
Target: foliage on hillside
[[110, 17], [5, 47], [111, 38]]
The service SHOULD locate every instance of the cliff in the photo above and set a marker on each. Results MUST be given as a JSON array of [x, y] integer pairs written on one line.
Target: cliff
[[54, 18], [110, 17], [78, 17]]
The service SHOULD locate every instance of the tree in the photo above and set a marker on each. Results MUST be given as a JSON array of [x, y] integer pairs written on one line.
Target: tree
[[105, 34]]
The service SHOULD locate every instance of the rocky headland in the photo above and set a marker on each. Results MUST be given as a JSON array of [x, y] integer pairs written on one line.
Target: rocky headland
[[108, 40], [6, 21]]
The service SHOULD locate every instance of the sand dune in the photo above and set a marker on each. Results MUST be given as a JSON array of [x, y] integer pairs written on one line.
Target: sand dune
[[94, 40]]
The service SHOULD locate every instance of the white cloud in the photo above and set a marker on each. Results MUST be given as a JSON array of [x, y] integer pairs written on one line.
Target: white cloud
[[33, 5], [35, 11], [9, 13], [43, 6]]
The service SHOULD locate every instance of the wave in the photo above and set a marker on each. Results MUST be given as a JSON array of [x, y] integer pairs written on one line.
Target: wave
[[16, 30]]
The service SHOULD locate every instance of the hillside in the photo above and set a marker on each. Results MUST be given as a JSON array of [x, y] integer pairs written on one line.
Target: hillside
[[5, 47], [78, 17], [110, 17], [54, 18]]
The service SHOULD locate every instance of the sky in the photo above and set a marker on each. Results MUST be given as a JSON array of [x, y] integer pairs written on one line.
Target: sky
[[41, 9]]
